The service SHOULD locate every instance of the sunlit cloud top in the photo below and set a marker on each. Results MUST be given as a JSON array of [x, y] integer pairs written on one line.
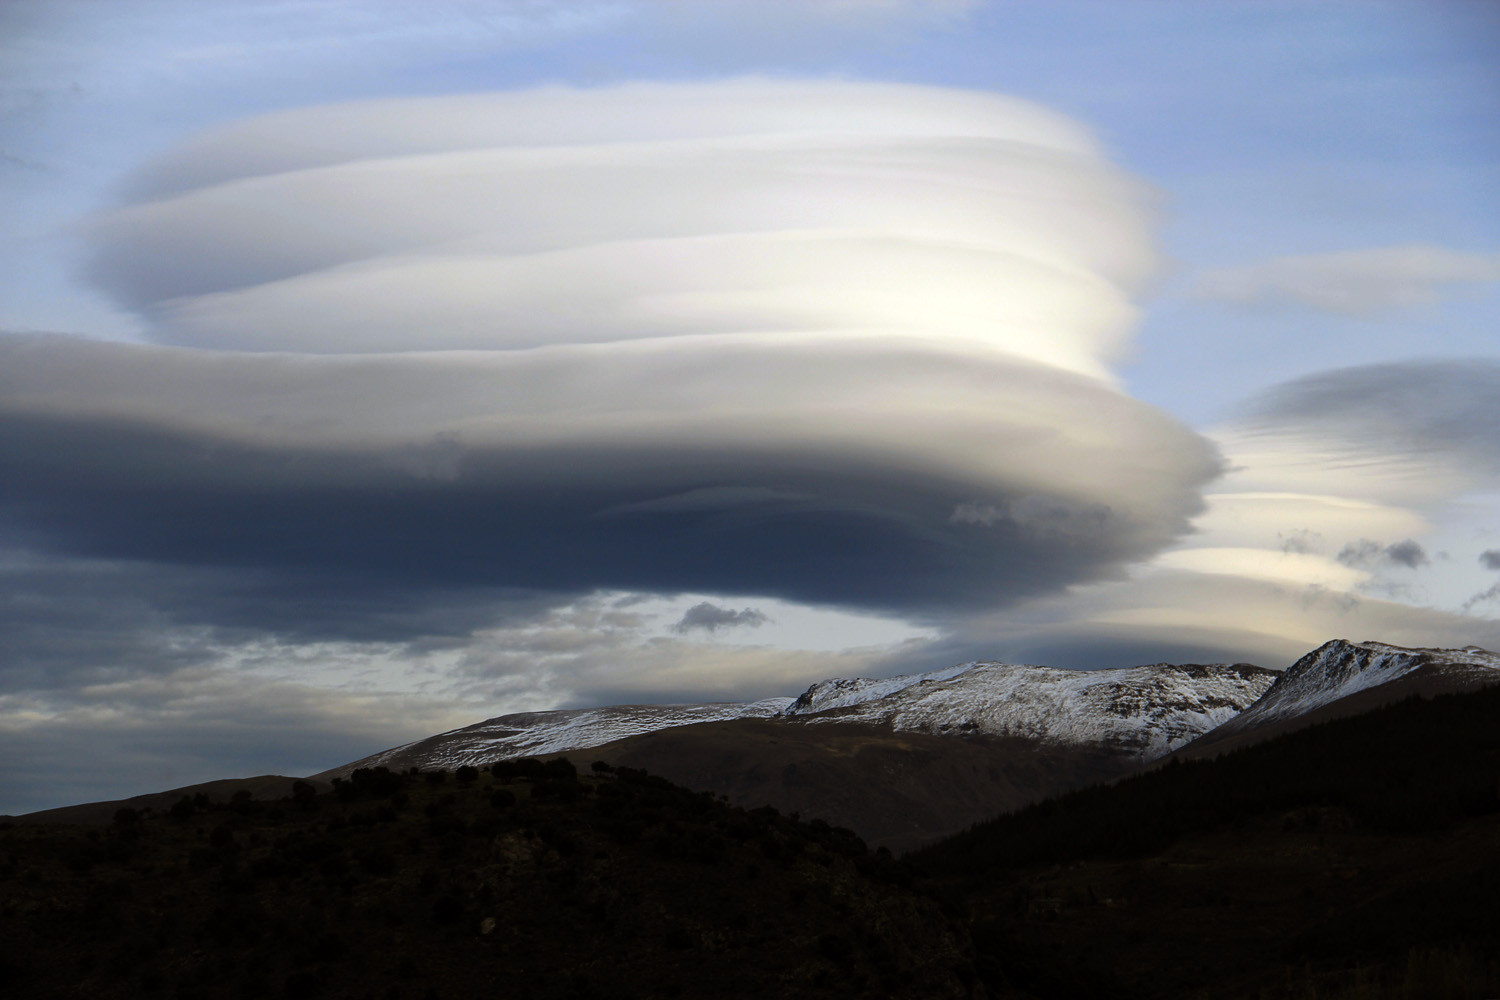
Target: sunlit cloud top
[[641, 211]]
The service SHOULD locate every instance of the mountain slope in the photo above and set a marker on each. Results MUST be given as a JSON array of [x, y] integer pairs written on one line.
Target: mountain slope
[[1351, 859], [1144, 712], [1342, 678], [899, 790], [544, 734], [901, 760]]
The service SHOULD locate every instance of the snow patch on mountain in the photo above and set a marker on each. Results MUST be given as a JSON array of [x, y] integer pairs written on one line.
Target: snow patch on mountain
[[1339, 668], [1147, 711], [842, 692], [537, 734]]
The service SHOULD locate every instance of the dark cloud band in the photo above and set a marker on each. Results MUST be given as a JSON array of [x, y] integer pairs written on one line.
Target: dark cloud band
[[771, 471]]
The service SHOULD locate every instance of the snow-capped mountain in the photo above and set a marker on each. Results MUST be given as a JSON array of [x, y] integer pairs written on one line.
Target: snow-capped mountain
[[1369, 671], [538, 734], [1144, 711]]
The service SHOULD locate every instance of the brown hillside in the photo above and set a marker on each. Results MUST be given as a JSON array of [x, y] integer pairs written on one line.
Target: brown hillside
[[895, 789]]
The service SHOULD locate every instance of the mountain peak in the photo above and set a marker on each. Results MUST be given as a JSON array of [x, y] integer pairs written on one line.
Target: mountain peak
[[1340, 669]]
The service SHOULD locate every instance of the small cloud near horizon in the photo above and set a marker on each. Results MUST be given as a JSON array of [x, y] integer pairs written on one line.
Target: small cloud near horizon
[[710, 617]]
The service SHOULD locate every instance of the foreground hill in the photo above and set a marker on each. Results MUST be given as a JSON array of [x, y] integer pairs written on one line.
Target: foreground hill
[[260, 788], [528, 882], [1352, 859]]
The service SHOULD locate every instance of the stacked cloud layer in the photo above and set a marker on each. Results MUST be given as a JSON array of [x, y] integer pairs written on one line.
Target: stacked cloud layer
[[837, 343]]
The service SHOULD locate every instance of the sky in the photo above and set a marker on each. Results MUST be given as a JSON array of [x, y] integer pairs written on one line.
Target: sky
[[369, 369]]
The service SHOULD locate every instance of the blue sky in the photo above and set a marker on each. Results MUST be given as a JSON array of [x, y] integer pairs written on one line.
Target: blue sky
[[1274, 378]]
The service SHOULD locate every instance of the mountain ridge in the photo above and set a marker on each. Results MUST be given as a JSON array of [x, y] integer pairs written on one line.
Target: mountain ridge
[[949, 747], [1144, 711], [1342, 678]]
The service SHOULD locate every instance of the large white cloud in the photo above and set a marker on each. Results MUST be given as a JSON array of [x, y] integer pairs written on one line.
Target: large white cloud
[[566, 216]]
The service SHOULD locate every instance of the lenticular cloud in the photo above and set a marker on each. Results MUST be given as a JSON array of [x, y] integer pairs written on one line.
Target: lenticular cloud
[[571, 216], [834, 342]]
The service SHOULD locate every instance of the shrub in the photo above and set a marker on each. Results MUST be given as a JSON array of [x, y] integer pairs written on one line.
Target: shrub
[[304, 794], [375, 782]]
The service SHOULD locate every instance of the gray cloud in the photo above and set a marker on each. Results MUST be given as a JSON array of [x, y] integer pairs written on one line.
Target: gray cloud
[[1490, 558], [1421, 410], [557, 471], [70, 622], [710, 618], [1367, 554], [1197, 617], [154, 732], [1357, 282], [1407, 553]]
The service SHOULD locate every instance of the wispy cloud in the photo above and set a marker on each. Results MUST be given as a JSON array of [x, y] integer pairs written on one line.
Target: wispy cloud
[[1355, 282]]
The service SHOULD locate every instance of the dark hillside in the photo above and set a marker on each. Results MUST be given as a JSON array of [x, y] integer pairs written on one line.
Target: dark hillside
[[266, 786], [898, 790], [528, 882], [1360, 857]]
